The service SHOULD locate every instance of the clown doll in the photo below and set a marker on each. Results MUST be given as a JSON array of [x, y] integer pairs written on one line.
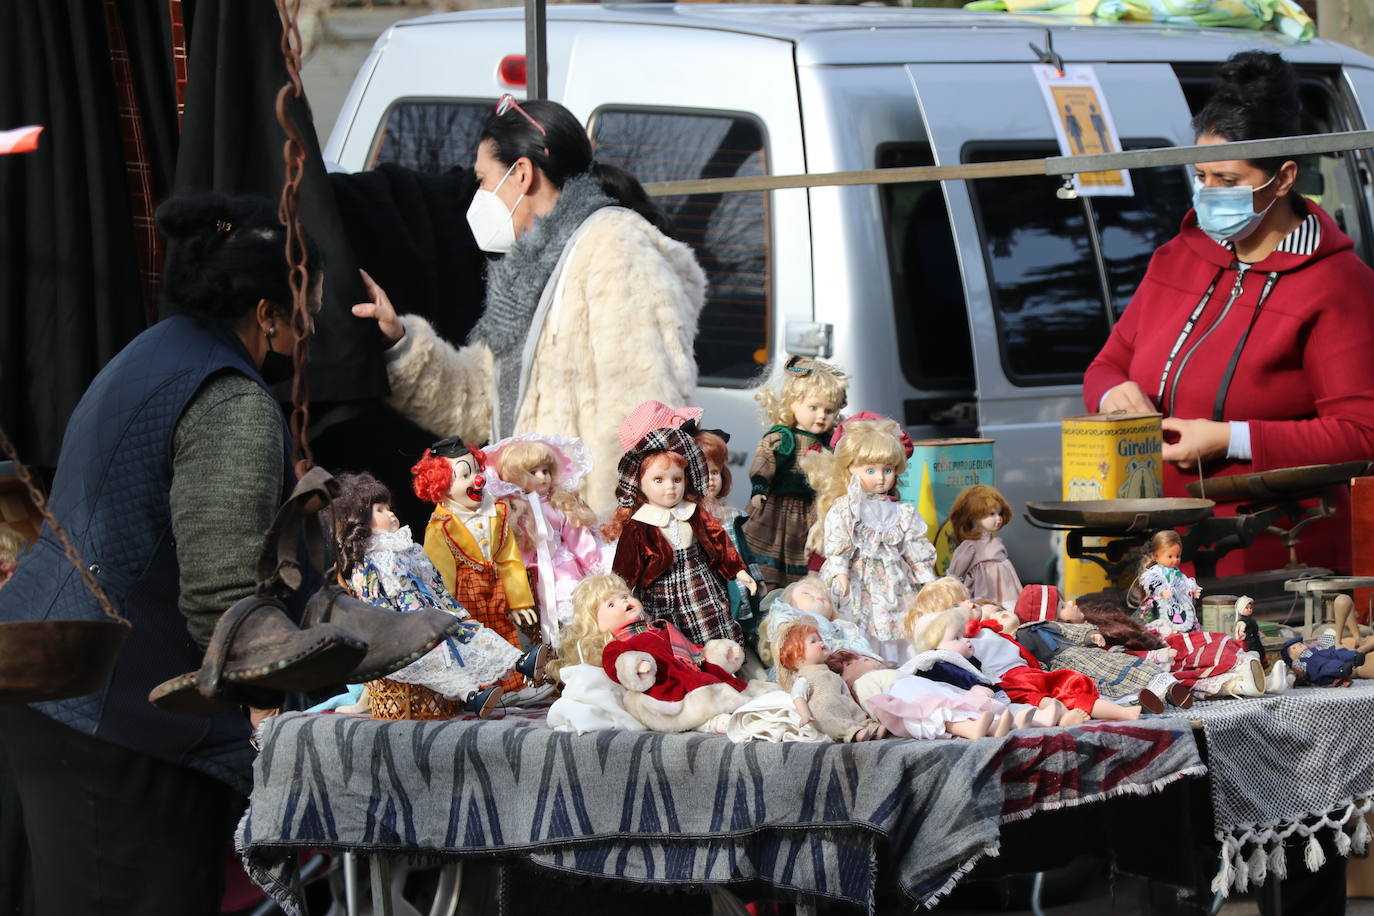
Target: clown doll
[[469, 539]]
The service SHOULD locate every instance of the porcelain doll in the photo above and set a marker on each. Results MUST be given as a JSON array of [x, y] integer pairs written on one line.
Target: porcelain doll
[[916, 707], [537, 476], [713, 443], [1321, 662], [386, 568], [875, 549], [675, 557], [1168, 592], [781, 503], [1058, 637], [470, 540], [808, 601], [821, 695], [669, 683], [980, 559]]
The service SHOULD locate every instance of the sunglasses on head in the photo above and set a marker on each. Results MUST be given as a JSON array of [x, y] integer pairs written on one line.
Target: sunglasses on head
[[507, 103]]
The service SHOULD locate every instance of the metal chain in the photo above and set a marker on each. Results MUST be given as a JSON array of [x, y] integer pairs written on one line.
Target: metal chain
[[73, 555], [293, 152]]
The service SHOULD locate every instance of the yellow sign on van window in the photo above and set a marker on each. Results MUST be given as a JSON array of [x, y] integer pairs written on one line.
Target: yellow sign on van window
[[1084, 126]]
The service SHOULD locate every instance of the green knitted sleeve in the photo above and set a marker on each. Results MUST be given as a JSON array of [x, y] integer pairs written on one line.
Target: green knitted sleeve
[[226, 486]]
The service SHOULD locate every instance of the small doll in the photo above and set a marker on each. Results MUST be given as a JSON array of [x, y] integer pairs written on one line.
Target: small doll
[[1168, 592], [713, 443], [875, 549], [781, 510], [386, 568], [808, 601], [1248, 629], [1059, 639], [675, 557], [1322, 663], [555, 529], [470, 541], [917, 707], [671, 683], [980, 559], [1209, 664], [821, 695]]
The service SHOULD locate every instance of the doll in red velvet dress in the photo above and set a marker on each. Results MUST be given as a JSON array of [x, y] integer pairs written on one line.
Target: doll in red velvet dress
[[675, 556]]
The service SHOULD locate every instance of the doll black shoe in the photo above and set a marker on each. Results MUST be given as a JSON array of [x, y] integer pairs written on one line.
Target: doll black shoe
[[393, 640], [1179, 695], [1150, 702], [255, 654], [482, 703], [532, 663]]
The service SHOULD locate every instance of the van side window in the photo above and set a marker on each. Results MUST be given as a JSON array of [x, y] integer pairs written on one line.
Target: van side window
[[1050, 290], [431, 136], [927, 290], [728, 232]]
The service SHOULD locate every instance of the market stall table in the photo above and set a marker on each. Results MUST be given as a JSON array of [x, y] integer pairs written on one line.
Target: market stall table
[[652, 809]]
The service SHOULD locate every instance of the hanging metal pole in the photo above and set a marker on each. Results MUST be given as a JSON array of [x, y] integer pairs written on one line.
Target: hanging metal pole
[[536, 50]]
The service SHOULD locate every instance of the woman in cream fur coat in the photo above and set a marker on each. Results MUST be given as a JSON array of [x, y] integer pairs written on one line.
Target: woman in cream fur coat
[[619, 313]]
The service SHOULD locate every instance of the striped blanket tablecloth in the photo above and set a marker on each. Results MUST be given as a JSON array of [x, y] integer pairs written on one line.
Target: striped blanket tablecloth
[[655, 809]]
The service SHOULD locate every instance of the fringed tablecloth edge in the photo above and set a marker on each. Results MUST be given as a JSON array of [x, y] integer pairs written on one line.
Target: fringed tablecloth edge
[[1239, 871]]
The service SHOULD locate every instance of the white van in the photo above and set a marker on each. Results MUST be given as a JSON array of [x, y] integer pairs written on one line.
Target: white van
[[960, 308]]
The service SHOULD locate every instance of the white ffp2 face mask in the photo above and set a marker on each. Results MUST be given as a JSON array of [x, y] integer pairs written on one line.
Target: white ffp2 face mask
[[492, 224]]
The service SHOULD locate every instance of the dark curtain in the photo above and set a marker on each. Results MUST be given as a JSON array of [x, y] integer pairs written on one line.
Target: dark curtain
[[69, 287]]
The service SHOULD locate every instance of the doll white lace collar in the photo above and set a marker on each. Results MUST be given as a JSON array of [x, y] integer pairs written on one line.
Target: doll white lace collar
[[485, 509], [876, 510], [660, 517], [924, 661], [395, 554]]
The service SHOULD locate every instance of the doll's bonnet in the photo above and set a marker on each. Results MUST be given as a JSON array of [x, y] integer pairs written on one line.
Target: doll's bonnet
[[1037, 603], [660, 440], [573, 458]]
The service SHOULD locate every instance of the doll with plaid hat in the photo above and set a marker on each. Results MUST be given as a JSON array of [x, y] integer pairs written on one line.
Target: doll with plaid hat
[[675, 556]]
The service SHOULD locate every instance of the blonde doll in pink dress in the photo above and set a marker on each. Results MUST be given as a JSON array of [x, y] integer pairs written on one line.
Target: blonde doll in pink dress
[[537, 475]]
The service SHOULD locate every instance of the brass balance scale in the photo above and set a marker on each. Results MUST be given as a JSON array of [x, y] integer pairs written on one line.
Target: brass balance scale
[[1112, 532]]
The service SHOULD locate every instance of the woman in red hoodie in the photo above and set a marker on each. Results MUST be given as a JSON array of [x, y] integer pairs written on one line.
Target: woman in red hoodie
[[1253, 329]]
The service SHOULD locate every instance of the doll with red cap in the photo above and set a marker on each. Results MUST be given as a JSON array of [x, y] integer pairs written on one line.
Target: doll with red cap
[[1056, 634], [470, 540]]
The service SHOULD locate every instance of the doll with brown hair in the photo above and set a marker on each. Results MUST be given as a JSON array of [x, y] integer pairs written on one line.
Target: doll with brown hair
[[537, 476], [385, 567], [875, 549], [675, 557], [980, 559], [672, 683], [808, 601], [470, 540], [1168, 591], [714, 445], [1208, 663], [821, 695], [781, 511]]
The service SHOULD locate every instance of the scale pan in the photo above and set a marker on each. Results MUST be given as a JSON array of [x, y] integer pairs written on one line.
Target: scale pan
[[1279, 483], [1129, 516], [57, 659]]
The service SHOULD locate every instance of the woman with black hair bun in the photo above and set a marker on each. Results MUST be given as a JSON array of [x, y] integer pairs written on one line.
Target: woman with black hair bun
[[1252, 329], [172, 467], [592, 310]]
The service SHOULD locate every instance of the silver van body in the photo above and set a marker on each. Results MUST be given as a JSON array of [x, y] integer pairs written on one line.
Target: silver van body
[[961, 308]]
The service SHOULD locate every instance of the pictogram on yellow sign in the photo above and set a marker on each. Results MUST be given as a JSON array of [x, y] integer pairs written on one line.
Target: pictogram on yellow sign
[[1083, 124]]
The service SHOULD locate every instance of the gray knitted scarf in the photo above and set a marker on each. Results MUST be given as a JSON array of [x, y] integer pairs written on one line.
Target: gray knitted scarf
[[516, 281]]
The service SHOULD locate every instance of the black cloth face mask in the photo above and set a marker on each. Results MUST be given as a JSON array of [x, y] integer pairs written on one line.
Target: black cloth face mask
[[276, 367]]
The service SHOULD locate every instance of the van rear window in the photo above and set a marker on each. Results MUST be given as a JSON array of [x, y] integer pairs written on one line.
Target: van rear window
[[728, 232], [1051, 292], [432, 136]]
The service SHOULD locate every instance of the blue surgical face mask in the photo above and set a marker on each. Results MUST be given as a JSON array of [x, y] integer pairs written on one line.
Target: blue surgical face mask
[[1228, 214]]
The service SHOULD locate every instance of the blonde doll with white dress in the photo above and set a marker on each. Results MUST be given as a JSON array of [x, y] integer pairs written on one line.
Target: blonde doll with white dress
[[875, 549]]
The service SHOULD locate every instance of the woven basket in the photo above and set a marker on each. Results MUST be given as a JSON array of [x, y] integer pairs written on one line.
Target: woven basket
[[394, 700]]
